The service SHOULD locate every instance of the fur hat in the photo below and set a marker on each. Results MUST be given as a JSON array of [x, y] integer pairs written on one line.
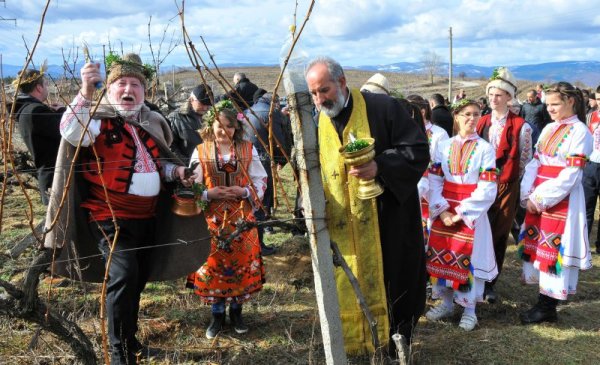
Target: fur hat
[[503, 79], [128, 66], [377, 84], [202, 94]]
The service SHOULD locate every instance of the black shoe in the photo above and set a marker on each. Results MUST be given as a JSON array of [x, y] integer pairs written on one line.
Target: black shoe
[[538, 314], [215, 326], [489, 294], [142, 351], [267, 250], [268, 230], [119, 358], [515, 233], [297, 233], [235, 316], [598, 248]]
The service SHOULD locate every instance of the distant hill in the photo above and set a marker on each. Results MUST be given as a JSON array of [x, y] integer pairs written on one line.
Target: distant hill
[[587, 72]]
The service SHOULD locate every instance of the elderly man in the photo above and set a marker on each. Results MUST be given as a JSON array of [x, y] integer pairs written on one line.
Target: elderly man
[[132, 143], [187, 121], [511, 138], [381, 240], [38, 126], [245, 88]]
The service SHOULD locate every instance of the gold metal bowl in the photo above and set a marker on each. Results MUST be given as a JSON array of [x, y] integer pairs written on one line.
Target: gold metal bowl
[[367, 189]]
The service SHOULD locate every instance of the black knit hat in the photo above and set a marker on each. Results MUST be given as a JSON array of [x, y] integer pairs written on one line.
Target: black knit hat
[[201, 93]]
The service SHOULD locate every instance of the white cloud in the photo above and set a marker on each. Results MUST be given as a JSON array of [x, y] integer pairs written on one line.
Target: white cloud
[[356, 32]]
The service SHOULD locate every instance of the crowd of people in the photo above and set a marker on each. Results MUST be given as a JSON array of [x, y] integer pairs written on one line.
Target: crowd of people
[[457, 179]]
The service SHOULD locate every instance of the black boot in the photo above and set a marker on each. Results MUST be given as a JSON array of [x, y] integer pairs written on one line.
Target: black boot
[[266, 250], [215, 326], [489, 294], [235, 316], [543, 311]]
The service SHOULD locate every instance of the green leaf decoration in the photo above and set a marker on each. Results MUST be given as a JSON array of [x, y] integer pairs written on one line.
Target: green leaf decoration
[[357, 145]]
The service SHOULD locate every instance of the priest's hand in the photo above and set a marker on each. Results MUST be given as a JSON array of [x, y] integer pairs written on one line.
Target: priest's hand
[[365, 171]]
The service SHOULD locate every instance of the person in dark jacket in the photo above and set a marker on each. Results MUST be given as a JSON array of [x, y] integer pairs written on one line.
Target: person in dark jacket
[[187, 121], [440, 115], [534, 112], [39, 127], [485, 108], [244, 88], [258, 116]]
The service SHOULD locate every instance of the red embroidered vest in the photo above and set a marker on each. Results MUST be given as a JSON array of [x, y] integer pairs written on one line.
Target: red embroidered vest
[[594, 121], [117, 151], [508, 153]]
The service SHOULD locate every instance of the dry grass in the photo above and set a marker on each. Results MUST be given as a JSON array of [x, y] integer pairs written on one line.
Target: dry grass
[[283, 318], [285, 327]]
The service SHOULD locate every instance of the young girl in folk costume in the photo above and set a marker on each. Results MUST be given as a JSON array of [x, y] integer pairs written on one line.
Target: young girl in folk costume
[[435, 134], [235, 181], [554, 243], [462, 187]]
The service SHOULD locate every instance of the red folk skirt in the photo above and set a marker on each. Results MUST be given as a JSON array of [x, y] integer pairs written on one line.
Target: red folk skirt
[[450, 248]]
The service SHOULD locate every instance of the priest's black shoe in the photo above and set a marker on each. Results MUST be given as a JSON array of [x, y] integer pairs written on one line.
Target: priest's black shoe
[[215, 326], [142, 351]]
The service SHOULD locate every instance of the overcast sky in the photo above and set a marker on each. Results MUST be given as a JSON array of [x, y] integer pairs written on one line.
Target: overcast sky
[[355, 32]]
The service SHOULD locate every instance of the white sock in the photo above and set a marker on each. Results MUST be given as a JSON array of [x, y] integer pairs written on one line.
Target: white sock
[[448, 298], [470, 311]]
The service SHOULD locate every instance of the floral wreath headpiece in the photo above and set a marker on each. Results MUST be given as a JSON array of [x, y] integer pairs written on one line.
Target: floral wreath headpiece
[[462, 103], [214, 111]]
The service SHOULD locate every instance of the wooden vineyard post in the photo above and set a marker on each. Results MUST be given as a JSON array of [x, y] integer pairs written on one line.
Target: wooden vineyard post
[[313, 198]]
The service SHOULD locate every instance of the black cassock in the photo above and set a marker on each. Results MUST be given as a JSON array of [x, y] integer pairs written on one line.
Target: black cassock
[[402, 155]]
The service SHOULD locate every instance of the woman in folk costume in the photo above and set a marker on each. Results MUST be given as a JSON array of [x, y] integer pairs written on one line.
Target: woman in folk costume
[[554, 243], [435, 134], [235, 182], [462, 187]]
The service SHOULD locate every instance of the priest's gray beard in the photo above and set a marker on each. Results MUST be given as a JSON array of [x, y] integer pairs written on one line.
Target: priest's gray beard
[[127, 114], [332, 108]]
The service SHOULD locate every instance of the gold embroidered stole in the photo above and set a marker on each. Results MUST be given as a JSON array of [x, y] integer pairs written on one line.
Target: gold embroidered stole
[[353, 224]]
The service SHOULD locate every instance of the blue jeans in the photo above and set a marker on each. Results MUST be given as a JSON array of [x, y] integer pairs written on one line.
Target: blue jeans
[[591, 190], [219, 307]]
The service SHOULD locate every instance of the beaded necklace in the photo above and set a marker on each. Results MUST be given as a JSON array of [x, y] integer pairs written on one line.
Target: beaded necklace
[[549, 146], [460, 157], [229, 166]]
